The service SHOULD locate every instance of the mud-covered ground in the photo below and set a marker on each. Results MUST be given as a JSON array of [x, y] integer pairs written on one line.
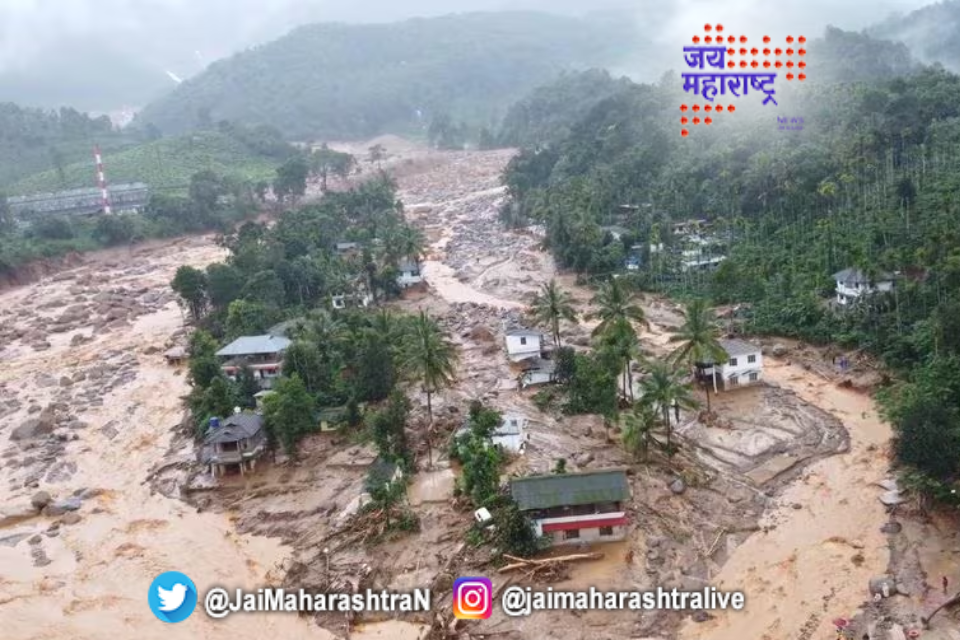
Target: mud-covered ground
[[776, 497]]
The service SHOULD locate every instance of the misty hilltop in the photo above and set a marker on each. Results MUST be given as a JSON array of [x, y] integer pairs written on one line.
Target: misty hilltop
[[930, 33], [345, 81]]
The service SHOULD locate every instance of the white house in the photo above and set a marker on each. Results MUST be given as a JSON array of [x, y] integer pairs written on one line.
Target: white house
[[409, 273], [523, 344], [743, 367], [570, 508], [362, 299], [853, 283], [511, 436]]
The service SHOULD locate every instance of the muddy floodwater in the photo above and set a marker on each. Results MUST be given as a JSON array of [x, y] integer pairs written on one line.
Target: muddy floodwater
[[90, 411], [89, 579]]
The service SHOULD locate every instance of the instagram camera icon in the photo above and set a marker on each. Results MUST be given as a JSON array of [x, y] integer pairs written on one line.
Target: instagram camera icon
[[472, 598]]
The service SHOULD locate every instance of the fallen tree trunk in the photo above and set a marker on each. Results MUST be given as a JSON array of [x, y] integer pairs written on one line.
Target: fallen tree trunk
[[949, 603], [523, 563]]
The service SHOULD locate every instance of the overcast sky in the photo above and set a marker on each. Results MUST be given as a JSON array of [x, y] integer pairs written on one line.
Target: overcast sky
[[170, 32], [103, 54]]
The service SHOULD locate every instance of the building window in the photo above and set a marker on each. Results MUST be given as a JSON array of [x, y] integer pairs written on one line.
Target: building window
[[606, 531], [734, 381], [751, 359], [733, 362], [571, 534], [523, 341], [754, 377]]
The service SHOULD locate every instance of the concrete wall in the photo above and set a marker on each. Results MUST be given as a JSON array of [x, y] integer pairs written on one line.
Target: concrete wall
[[558, 538], [520, 346]]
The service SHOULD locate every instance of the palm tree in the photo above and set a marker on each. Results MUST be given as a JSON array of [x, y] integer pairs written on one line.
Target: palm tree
[[621, 344], [700, 338], [664, 389], [614, 302], [639, 430], [552, 305], [430, 357]]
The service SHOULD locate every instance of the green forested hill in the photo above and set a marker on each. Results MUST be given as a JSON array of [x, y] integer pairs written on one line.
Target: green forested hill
[[165, 164], [343, 81], [33, 140], [871, 181]]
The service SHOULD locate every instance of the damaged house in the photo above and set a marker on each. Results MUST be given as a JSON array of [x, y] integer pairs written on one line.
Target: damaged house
[[234, 444], [570, 508]]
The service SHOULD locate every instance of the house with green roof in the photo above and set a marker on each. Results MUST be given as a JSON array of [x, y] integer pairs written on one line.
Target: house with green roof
[[571, 508]]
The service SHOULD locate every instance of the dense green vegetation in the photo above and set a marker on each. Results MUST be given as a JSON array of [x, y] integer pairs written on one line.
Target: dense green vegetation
[[547, 113], [870, 182], [33, 140], [166, 164], [334, 81], [212, 202], [339, 357]]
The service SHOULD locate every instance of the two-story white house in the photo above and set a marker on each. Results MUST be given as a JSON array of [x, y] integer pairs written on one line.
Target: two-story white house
[[744, 366], [410, 273], [853, 283], [570, 508], [523, 344]]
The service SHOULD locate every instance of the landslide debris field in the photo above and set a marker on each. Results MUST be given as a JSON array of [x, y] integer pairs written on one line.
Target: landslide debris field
[[776, 493]]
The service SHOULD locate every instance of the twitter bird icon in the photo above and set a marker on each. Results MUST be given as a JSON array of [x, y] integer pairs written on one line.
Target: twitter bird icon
[[172, 596]]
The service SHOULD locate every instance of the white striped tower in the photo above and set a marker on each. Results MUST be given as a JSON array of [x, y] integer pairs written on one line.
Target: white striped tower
[[102, 180]]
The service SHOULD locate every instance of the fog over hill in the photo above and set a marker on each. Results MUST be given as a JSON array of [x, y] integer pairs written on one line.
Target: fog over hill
[[106, 54]]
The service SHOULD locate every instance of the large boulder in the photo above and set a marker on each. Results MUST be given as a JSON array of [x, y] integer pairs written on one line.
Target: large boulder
[[40, 499]]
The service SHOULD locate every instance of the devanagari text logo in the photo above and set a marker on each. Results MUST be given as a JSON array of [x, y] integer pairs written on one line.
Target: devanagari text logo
[[719, 53]]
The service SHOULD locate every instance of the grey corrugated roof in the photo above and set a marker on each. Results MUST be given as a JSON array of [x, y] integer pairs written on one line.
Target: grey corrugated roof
[[570, 489], [855, 276], [235, 428], [344, 246], [736, 348], [254, 345]]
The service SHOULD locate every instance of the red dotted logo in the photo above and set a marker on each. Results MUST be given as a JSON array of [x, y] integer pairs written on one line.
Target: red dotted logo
[[684, 120], [719, 107], [707, 27], [683, 107], [684, 133], [696, 39], [719, 28], [766, 39], [789, 76], [707, 121], [801, 77]]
